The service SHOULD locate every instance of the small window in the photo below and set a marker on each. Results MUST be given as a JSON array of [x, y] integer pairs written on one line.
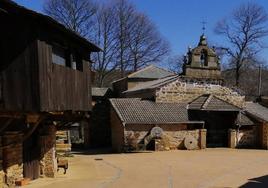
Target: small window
[[59, 55]]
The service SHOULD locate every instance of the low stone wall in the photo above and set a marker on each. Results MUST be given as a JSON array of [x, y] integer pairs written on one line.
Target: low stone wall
[[173, 136], [183, 92]]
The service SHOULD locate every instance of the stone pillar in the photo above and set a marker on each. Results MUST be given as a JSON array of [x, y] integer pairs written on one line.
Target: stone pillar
[[13, 157], [232, 138], [203, 138], [48, 152]]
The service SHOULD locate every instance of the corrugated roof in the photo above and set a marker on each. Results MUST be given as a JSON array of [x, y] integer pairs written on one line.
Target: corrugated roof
[[137, 111], [211, 103], [151, 71], [99, 91], [257, 111]]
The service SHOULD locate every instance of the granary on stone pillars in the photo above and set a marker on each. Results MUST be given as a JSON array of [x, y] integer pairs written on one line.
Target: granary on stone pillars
[[44, 85], [217, 113]]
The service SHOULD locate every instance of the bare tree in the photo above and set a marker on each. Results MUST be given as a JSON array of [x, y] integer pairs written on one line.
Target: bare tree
[[175, 63], [146, 45], [105, 36], [74, 14], [128, 38], [124, 16], [244, 31]]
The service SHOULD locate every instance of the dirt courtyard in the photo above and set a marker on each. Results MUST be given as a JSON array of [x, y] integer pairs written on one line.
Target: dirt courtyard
[[217, 168]]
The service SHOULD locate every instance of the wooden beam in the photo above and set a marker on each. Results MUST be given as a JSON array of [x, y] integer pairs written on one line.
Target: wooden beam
[[4, 126], [32, 118], [33, 128]]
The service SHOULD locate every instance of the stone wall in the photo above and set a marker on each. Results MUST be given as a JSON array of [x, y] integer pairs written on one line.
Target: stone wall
[[13, 157], [264, 135], [48, 152], [244, 138], [173, 137], [183, 92], [203, 73]]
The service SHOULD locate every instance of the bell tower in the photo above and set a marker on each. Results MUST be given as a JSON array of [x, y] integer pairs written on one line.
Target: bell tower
[[202, 62]]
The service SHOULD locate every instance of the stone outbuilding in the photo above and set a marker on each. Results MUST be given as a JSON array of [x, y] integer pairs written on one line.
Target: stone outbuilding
[[133, 122], [146, 74], [200, 90]]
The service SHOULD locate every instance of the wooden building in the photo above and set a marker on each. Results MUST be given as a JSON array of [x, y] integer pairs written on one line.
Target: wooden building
[[44, 82]]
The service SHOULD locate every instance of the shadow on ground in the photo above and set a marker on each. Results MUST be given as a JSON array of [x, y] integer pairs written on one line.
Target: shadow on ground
[[101, 151], [259, 182]]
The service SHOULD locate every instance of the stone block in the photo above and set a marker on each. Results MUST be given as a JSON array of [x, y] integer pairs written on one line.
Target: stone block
[[232, 138]]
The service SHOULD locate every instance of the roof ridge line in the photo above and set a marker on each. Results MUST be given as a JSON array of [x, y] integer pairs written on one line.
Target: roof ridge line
[[145, 68], [205, 104]]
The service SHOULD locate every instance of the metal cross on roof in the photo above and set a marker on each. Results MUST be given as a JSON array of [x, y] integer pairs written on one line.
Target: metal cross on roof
[[204, 26]]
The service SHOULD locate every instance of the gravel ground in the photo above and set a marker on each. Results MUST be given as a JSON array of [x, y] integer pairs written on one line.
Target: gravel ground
[[210, 168]]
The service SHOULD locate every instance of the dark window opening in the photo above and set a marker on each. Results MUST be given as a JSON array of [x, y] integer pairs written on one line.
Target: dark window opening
[[59, 55], [63, 57], [77, 63], [204, 58]]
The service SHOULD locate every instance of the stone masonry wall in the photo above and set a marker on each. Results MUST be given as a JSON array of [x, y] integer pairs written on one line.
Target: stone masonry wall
[[264, 135], [48, 152], [12, 157], [182, 92], [173, 137]]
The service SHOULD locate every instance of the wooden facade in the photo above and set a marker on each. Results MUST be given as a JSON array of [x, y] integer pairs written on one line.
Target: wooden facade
[[29, 81]]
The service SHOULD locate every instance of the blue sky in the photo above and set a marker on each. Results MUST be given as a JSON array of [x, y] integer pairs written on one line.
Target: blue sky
[[179, 21]]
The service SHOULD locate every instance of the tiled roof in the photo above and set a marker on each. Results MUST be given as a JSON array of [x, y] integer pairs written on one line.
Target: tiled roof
[[211, 103], [243, 119], [151, 72], [153, 84], [137, 111], [257, 111], [99, 91]]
